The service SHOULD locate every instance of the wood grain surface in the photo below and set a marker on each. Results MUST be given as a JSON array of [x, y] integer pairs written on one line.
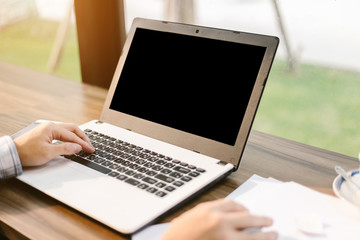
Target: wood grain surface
[[26, 213]]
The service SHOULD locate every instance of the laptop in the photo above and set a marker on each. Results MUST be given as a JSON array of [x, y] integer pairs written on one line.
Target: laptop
[[175, 122]]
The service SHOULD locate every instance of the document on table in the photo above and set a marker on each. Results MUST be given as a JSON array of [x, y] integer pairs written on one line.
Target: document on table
[[298, 212]]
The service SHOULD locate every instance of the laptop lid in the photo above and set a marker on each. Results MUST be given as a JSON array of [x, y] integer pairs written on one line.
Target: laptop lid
[[190, 86]]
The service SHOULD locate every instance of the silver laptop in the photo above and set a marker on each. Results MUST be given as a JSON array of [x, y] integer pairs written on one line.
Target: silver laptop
[[175, 121]]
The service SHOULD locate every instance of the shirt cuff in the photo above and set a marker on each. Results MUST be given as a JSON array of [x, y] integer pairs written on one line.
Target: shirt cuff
[[10, 165]]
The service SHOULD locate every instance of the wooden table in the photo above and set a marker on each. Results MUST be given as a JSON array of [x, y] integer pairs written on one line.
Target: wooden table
[[26, 213]]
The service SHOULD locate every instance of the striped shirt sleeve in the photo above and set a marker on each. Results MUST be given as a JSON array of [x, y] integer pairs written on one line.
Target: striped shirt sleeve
[[10, 165]]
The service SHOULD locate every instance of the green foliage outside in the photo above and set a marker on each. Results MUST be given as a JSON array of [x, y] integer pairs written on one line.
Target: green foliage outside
[[315, 105], [29, 43]]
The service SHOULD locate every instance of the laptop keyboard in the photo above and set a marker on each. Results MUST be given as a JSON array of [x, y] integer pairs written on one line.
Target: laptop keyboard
[[147, 170]]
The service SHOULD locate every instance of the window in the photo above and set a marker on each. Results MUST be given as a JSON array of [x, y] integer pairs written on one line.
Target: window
[[41, 35], [312, 95]]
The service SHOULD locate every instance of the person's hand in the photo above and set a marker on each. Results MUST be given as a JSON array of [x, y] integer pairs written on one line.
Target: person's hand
[[36, 148], [220, 219]]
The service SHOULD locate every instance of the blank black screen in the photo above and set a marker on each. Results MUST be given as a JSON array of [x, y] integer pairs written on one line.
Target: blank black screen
[[197, 85]]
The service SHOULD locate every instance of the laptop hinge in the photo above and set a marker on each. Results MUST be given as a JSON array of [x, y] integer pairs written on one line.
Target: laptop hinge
[[222, 163]]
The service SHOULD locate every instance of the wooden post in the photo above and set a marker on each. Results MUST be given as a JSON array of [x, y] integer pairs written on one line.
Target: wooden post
[[291, 58], [180, 11], [60, 39], [101, 35]]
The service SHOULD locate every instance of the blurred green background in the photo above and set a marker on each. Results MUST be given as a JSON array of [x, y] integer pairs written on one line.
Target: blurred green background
[[314, 105], [30, 42]]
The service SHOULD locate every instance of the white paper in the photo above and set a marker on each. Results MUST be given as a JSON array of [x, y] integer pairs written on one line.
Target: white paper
[[253, 188], [286, 202]]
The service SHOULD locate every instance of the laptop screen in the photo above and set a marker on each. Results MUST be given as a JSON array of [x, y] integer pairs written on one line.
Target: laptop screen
[[194, 84]]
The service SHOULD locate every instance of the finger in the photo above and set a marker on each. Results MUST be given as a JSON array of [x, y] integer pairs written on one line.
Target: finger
[[227, 205], [243, 220], [65, 149], [256, 235], [75, 129], [66, 135]]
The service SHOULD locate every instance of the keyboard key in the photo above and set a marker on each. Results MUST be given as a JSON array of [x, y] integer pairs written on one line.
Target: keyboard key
[[183, 164], [138, 148], [83, 154], [186, 178], [165, 171], [170, 188], [157, 168], [114, 166], [152, 159], [144, 156], [122, 177], [175, 175], [181, 169], [142, 186], [104, 154], [130, 172], [126, 163], [138, 176], [160, 185], [134, 166], [169, 165], [154, 154], [91, 157], [161, 162], [106, 163], [164, 178], [149, 165], [149, 180], [176, 161], [160, 194], [142, 170], [111, 158], [132, 181], [151, 173], [178, 183], [99, 160], [151, 189], [132, 159], [91, 165], [140, 161], [114, 174], [194, 174], [122, 169], [119, 161]]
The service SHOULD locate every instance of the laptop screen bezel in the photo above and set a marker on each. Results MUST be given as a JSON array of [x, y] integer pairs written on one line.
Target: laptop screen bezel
[[224, 152]]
